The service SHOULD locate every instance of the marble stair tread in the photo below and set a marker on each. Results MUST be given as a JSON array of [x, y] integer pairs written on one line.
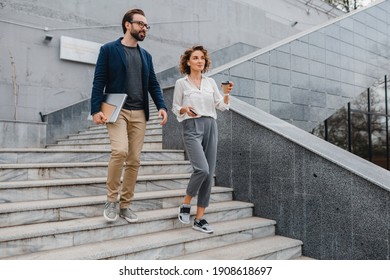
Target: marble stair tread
[[47, 171], [112, 248], [100, 139], [88, 200], [85, 164], [100, 144], [100, 135], [104, 143], [58, 227], [153, 119], [246, 250], [150, 129], [149, 126], [103, 133], [83, 181], [105, 140], [56, 154], [44, 150]]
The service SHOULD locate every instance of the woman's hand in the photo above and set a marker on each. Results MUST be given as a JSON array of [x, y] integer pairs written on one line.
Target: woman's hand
[[226, 92], [230, 87], [189, 110]]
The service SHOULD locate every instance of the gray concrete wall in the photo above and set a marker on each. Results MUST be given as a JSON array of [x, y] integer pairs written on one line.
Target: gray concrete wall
[[54, 126], [219, 57], [335, 202], [306, 78], [33, 79], [17, 134]]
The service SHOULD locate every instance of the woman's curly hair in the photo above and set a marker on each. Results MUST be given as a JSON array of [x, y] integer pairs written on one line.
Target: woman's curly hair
[[185, 57]]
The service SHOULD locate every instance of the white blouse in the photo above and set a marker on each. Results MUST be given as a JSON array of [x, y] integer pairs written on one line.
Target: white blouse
[[205, 100]]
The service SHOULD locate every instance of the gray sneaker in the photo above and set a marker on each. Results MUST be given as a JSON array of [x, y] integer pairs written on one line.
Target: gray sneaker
[[128, 215], [184, 213], [110, 212], [202, 225]]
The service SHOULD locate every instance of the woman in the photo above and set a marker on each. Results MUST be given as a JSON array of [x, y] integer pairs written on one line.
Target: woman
[[195, 100]]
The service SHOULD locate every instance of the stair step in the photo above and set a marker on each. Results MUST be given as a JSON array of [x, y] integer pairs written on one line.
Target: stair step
[[35, 171], [51, 207], [165, 242], [31, 212], [26, 155], [17, 191], [100, 140], [151, 126], [266, 248], [58, 227], [147, 146], [103, 134]]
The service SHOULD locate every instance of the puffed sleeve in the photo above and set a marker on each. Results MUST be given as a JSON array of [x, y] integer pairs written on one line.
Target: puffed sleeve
[[177, 99]]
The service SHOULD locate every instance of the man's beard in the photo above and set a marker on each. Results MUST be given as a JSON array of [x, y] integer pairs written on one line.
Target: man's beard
[[139, 36]]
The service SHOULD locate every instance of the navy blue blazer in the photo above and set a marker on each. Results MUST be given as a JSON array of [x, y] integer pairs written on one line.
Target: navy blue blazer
[[110, 76]]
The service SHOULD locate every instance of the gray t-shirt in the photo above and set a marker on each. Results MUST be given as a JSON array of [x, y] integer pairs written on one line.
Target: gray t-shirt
[[135, 100]]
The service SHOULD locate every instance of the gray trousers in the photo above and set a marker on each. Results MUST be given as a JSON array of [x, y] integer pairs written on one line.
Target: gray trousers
[[200, 137]]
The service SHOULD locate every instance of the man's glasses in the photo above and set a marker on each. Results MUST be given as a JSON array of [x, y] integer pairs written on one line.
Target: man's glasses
[[141, 24]]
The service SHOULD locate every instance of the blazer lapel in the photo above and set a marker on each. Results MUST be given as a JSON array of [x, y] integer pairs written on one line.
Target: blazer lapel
[[119, 49], [145, 67]]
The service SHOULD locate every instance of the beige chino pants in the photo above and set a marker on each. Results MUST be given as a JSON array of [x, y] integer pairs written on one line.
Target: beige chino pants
[[127, 137]]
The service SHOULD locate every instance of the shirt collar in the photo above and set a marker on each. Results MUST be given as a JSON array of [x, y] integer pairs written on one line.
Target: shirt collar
[[188, 78]]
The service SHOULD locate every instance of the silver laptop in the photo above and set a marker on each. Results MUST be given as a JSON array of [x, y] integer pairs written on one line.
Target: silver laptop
[[112, 105]]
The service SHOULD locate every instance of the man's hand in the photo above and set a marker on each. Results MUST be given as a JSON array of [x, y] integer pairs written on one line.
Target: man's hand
[[163, 114], [99, 118]]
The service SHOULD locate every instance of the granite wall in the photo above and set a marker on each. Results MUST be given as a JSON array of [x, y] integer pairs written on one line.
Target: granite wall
[[67, 121], [335, 202]]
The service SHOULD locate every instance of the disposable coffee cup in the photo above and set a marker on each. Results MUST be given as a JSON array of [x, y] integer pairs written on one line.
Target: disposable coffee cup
[[225, 86]]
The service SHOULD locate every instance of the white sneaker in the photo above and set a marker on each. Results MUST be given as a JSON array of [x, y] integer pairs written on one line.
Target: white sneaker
[[202, 225], [184, 213]]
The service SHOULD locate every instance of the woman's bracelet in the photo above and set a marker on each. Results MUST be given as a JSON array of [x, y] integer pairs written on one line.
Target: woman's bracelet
[[226, 94]]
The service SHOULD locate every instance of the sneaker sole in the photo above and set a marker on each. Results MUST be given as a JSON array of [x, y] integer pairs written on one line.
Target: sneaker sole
[[129, 220], [202, 230], [182, 221]]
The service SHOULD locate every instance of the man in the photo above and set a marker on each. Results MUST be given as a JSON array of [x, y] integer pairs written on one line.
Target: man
[[124, 67]]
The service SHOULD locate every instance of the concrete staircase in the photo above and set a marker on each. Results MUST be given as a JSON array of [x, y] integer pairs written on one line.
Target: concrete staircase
[[51, 203]]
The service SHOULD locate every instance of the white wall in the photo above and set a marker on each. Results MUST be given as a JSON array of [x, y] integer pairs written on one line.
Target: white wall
[[34, 79]]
